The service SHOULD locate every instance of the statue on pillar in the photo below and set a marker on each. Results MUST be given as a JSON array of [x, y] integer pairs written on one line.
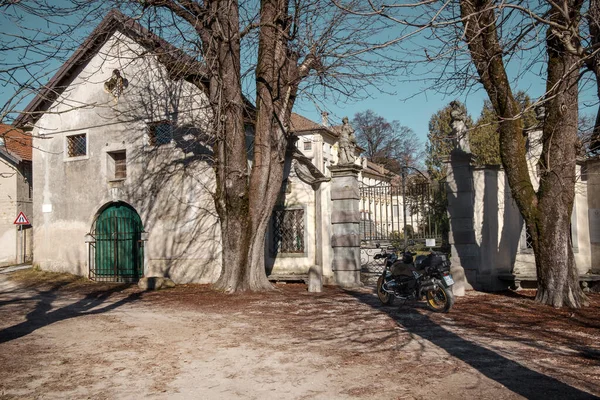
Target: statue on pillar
[[460, 132], [347, 144], [540, 113]]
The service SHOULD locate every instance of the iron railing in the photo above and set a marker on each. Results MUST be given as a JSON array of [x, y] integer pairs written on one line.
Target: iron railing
[[382, 209]]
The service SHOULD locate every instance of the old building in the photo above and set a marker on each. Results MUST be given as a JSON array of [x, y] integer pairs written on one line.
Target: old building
[[15, 196], [123, 176], [122, 184]]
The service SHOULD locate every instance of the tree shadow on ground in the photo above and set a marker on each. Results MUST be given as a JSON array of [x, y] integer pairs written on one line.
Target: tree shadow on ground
[[43, 313], [511, 374]]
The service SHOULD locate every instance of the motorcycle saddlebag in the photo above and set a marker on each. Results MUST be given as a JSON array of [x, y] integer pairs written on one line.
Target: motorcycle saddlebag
[[402, 271], [438, 261]]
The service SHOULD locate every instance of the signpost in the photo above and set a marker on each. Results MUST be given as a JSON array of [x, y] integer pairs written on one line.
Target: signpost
[[21, 220]]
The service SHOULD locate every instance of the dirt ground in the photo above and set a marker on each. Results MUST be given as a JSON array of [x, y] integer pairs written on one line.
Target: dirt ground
[[67, 338]]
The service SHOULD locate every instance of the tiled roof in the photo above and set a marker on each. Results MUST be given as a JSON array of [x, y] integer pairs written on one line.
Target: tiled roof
[[16, 142], [300, 123]]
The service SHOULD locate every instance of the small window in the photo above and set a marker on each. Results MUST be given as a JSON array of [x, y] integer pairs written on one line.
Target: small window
[[308, 145], [528, 238], [288, 231], [160, 133], [77, 145], [28, 175], [117, 164], [584, 173]]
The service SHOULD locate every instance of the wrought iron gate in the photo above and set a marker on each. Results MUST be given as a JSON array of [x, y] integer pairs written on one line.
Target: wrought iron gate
[[382, 207], [116, 246]]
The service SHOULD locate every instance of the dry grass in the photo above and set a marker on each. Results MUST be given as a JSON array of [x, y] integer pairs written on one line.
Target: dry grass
[[35, 277]]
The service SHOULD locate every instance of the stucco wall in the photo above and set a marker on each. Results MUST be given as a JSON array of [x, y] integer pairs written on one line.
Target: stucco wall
[[487, 231], [8, 212], [168, 185], [593, 202]]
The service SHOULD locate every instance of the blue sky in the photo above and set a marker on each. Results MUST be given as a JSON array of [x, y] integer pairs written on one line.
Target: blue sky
[[404, 101], [414, 112]]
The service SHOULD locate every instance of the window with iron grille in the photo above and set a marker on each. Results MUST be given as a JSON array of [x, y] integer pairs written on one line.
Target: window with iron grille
[[160, 132], [77, 145], [528, 238], [288, 231]]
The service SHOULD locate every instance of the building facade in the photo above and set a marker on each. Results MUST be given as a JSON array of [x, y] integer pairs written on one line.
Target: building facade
[[123, 185], [15, 196]]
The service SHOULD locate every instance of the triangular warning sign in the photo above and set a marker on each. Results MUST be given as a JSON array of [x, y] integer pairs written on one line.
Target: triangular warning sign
[[21, 219]]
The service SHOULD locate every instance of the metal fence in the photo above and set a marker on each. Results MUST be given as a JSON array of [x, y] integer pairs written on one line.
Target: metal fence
[[382, 209]]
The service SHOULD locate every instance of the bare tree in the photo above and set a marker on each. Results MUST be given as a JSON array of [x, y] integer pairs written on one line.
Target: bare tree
[[593, 65], [473, 42], [388, 143], [288, 48]]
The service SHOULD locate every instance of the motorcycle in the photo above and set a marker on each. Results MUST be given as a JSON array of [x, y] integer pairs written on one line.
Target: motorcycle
[[427, 277]]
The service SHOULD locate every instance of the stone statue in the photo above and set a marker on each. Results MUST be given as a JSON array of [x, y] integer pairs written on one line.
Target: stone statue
[[459, 128], [540, 112], [347, 144]]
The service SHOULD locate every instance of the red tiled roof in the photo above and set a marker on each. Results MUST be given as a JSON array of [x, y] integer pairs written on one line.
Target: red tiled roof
[[300, 123], [16, 141]]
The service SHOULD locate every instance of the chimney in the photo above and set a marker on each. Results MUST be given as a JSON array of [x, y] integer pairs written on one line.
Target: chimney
[[325, 118]]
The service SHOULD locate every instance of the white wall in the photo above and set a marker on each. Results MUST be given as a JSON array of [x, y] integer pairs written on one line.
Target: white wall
[[169, 185], [8, 212]]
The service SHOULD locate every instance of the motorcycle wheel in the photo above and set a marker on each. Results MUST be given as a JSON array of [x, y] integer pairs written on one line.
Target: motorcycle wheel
[[440, 299], [385, 297]]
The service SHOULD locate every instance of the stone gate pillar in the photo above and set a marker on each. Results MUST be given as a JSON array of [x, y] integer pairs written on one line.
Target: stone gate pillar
[[345, 222], [461, 203]]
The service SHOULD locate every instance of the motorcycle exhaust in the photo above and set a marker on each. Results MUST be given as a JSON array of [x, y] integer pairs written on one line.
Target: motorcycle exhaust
[[427, 286], [385, 288]]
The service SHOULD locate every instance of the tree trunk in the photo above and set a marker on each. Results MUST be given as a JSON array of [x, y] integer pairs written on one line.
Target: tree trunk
[[558, 278], [276, 87], [547, 212], [221, 46], [245, 206]]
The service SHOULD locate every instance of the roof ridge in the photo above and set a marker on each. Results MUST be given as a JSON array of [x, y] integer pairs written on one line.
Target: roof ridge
[[180, 62]]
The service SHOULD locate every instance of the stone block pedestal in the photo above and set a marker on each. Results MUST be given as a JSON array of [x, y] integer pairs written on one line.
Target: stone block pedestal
[[345, 221]]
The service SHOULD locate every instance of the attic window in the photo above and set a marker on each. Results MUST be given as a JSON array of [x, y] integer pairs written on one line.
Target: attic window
[[77, 145], [308, 145], [160, 133], [116, 84]]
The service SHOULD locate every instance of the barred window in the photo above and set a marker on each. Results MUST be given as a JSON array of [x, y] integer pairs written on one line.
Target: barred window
[[528, 238], [160, 132], [77, 145], [288, 231]]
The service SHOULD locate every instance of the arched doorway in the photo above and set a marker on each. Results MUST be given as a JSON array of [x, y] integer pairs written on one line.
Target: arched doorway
[[118, 253]]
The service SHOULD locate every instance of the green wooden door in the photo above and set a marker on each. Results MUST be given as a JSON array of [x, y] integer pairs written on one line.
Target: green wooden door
[[119, 252]]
